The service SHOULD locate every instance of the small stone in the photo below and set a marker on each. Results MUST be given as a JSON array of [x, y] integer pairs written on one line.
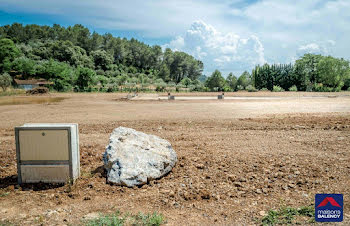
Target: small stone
[[204, 194], [50, 212], [262, 213], [305, 195], [11, 187], [258, 191], [231, 177], [200, 166], [237, 184], [217, 197], [291, 185], [22, 215], [91, 216], [242, 179]]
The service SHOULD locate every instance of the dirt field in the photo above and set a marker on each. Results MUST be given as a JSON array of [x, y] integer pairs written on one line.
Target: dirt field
[[237, 157]]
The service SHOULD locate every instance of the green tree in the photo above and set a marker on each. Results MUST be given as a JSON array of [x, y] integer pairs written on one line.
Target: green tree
[[25, 66], [244, 79], [216, 82], [85, 78], [186, 82], [329, 72], [164, 72], [8, 53], [231, 81], [102, 59], [66, 51], [5, 81]]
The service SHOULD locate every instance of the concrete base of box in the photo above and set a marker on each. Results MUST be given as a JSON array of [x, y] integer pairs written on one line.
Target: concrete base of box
[[45, 173]]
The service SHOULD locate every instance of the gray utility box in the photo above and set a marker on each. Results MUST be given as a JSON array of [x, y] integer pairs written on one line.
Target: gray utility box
[[221, 97], [47, 153]]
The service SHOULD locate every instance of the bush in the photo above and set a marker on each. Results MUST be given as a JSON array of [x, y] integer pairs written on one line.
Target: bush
[[251, 88], [5, 81], [239, 87], [84, 79], [227, 88], [154, 219], [264, 89], [319, 87], [277, 89], [293, 88], [349, 89], [289, 215]]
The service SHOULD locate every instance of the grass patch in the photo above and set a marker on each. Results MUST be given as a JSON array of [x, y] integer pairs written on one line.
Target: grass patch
[[6, 223], [4, 194], [116, 219], [289, 215], [29, 100], [12, 92]]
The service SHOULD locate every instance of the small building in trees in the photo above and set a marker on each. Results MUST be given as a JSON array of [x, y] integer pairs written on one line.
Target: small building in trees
[[30, 84]]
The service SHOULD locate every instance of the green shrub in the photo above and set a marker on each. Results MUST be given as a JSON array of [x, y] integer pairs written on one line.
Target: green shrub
[[293, 88], [227, 89], [349, 89], [251, 88], [264, 89], [239, 87], [5, 81], [319, 87], [337, 89], [286, 215], [277, 89], [116, 219]]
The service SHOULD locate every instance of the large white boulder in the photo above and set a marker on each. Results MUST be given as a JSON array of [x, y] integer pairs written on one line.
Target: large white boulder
[[134, 158]]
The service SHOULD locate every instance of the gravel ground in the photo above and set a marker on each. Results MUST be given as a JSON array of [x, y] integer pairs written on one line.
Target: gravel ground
[[237, 157]]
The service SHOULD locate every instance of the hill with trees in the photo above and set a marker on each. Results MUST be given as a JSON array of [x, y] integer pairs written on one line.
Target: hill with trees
[[75, 59]]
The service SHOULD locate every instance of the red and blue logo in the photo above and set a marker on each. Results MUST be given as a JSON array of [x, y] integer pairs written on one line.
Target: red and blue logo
[[329, 207]]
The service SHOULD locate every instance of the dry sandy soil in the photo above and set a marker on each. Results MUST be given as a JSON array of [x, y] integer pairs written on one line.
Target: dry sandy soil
[[236, 157]]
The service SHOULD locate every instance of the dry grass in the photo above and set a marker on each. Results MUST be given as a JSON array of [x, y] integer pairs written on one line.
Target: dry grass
[[29, 100], [12, 92]]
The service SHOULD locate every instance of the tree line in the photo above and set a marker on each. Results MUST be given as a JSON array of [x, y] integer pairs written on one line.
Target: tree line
[[75, 58], [311, 72]]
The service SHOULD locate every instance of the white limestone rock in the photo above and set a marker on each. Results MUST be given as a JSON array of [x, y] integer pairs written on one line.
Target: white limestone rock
[[133, 158]]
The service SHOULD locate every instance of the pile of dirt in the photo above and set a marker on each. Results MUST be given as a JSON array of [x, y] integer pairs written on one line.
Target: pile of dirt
[[38, 90]]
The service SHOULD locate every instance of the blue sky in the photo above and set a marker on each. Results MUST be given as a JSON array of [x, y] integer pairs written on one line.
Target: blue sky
[[229, 35]]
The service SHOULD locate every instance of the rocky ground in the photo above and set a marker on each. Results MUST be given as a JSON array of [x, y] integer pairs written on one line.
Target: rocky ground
[[237, 159]]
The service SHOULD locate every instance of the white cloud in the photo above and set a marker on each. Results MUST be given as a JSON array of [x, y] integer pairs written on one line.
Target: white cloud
[[227, 52], [285, 28], [323, 48], [156, 18]]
